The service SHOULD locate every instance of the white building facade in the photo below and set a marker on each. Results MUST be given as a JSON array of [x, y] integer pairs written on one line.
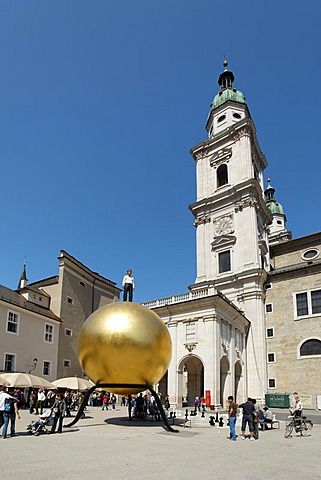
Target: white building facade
[[231, 220]]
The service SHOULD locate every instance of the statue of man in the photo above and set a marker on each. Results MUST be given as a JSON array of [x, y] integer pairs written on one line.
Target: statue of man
[[128, 286]]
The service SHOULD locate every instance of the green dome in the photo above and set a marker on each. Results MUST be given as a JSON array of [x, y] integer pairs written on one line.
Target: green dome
[[225, 95], [275, 207]]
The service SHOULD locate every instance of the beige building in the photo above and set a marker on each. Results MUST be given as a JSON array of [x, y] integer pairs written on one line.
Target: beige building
[[42, 320], [29, 333], [293, 318]]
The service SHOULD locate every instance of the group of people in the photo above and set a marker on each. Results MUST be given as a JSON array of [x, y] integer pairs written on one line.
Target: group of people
[[254, 417]]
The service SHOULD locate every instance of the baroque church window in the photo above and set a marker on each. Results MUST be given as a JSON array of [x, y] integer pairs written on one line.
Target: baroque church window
[[222, 176], [310, 347], [224, 261]]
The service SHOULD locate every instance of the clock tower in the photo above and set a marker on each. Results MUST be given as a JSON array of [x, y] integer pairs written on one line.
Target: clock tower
[[232, 218]]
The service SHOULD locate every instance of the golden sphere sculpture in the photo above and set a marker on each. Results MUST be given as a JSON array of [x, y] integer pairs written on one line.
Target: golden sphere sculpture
[[124, 343]]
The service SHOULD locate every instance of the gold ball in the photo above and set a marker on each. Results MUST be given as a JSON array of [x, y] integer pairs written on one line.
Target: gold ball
[[124, 343]]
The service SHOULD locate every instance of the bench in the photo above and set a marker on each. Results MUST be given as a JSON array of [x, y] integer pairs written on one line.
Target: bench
[[274, 424]]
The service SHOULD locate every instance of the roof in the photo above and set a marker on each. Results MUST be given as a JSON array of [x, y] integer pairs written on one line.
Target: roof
[[225, 95], [16, 299]]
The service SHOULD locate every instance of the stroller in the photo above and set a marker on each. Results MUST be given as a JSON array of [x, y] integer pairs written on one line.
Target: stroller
[[37, 427]]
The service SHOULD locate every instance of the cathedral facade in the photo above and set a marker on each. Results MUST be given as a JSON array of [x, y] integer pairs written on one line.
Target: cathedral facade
[[221, 329]]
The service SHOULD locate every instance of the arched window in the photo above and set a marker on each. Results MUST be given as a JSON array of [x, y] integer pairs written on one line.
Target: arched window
[[222, 177], [310, 347]]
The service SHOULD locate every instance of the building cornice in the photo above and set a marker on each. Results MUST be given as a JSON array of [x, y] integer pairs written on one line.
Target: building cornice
[[227, 137]]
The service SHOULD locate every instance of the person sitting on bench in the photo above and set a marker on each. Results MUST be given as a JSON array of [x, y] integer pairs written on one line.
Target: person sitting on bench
[[268, 416]]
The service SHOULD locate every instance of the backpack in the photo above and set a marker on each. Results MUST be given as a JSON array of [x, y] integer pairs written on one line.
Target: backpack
[[9, 405]]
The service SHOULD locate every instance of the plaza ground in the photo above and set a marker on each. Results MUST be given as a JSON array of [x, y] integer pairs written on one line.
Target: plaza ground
[[107, 445]]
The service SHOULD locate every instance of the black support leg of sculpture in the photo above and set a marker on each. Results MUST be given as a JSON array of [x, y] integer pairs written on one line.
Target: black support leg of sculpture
[[161, 410], [82, 407], [122, 385]]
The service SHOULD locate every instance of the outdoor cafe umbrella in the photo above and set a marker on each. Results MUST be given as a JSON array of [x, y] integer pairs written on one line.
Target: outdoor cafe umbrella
[[3, 381], [16, 379], [73, 383]]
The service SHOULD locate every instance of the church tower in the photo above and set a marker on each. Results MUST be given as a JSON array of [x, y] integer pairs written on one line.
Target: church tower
[[278, 232], [232, 218]]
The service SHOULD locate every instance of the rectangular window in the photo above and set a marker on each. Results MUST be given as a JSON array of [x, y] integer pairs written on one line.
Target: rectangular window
[[224, 262], [67, 363], [190, 332], [269, 308], [13, 323], [271, 357], [270, 332], [68, 332], [49, 333], [308, 303], [70, 300], [9, 362], [46, 369], [302, 304], [316, 301], [272, 383]]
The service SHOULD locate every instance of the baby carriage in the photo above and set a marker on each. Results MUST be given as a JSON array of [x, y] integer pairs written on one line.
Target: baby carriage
[[37, 427]]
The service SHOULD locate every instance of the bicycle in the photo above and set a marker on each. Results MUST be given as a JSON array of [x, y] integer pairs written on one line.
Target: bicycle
[[299, 424]]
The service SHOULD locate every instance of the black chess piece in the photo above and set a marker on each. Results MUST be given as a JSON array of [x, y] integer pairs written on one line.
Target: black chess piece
[[221, 423], [216, 420], [212, 422]]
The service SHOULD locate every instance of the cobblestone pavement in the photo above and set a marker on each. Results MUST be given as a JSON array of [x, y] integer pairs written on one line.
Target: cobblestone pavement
[[107, 445]]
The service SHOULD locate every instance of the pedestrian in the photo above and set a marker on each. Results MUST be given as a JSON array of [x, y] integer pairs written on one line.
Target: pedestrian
[[9, 415], [167, 404], [41, 397], [58, 412], [247, 418], [232, 412], [113, 401], [105, 402], [197, 404]]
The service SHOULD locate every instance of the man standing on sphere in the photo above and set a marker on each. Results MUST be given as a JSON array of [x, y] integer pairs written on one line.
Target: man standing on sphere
[[128, 286]]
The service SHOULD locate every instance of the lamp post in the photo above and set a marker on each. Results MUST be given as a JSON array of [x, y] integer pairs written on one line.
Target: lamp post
[[35, 361]]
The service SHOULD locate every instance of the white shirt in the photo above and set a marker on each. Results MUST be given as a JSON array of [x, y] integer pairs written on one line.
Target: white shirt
[[41, 396], [3, 396], [128, 279]]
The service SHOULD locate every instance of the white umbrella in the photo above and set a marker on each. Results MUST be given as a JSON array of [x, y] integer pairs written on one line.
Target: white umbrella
[[16, 379], [3, 381], [73, 383]]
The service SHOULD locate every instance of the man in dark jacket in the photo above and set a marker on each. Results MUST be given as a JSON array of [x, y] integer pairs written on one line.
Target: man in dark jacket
[[248, 409], [58, 412]]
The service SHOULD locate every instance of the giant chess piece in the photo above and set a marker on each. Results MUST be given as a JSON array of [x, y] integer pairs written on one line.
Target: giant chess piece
[[221, 423]]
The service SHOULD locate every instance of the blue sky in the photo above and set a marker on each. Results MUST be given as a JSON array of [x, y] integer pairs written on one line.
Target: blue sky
[[100, 103]]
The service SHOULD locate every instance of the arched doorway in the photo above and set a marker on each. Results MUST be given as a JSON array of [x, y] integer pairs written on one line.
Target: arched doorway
[[224, 369], [237, 376], [191, 371]]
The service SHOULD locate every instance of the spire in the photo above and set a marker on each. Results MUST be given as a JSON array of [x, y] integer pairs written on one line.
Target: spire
[[277, 230], [270, 200], [23, 278], [226, 79]]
